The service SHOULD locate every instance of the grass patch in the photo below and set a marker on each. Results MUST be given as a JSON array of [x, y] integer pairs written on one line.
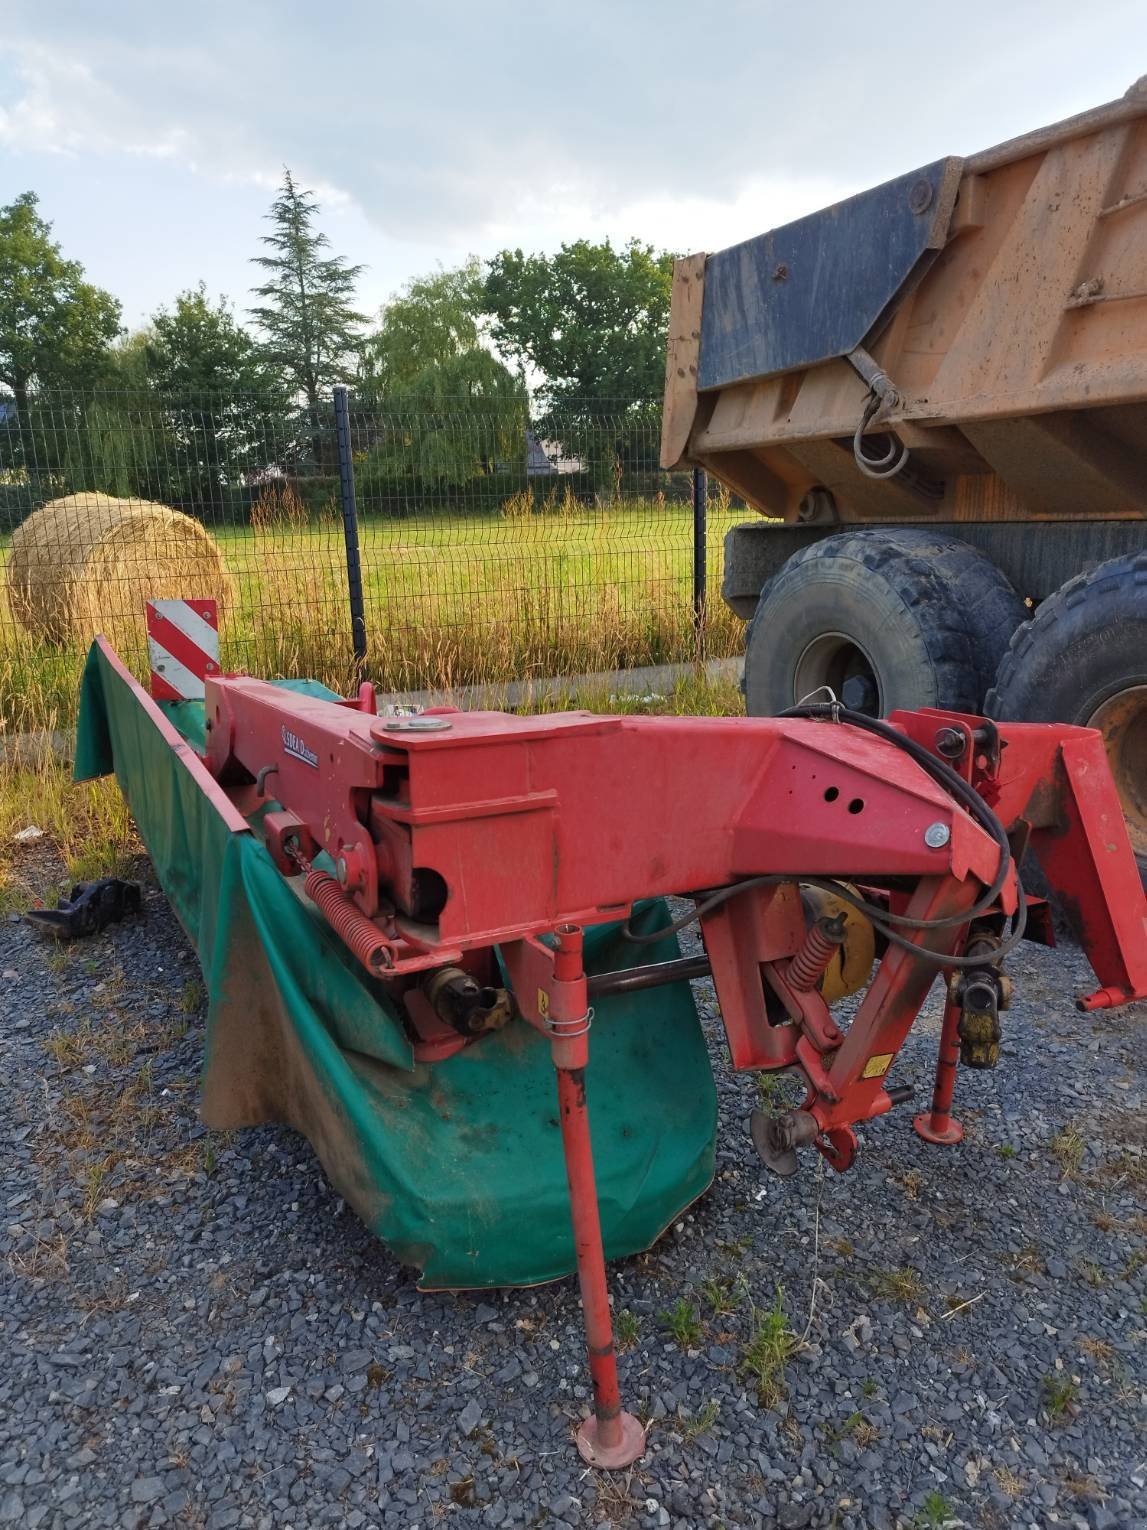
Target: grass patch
[[43, 1259], [722, 1294], [86, 825], [682, 1323], [902, 1285], [770, 1346], [192, 996], [702, 1421], [778, 1092], [1028, 1261], [618, 1497], [1009, 1482], [626, 1329], [735, 1248], [1067, 1149], [1059, 1396], [935, 1513], [861, 1430], [450, 600], [1098, 1350], [108, 1130], [1127, 1171], [113, 1039]]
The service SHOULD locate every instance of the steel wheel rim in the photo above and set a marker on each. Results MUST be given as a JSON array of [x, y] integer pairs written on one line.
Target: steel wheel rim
[[836, 660], [1122, 719]]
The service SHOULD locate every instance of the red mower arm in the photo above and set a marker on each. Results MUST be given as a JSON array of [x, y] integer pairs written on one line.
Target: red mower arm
[[452, 833]]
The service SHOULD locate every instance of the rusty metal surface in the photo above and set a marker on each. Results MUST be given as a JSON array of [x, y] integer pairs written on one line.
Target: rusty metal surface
[[486, 830], [1018, 357], [1122, 719]]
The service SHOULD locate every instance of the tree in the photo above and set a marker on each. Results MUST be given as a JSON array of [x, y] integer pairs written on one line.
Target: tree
[[448, 406], [55, 327], [306, 313], [431, 330], [591, 319], [197, 348], [223, 404], [128, 363], [443, 399]]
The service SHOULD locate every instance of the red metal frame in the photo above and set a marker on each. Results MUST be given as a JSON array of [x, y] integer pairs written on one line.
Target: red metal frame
[[938, 1125], [453, 833]]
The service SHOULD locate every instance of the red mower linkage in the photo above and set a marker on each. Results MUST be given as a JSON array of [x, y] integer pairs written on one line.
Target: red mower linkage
[[451, 833]]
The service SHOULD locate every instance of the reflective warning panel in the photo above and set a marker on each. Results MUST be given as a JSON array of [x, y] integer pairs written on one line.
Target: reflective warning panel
[[183, 646]]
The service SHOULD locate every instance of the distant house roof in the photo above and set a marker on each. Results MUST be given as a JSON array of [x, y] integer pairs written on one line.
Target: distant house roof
[[537, 463], [545, 457]]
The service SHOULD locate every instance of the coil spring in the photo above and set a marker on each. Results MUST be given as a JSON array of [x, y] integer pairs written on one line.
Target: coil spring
[[348, 921], [820, 945]]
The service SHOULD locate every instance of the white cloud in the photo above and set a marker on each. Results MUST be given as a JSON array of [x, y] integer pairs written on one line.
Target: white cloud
[[433, 130], [453, 114]]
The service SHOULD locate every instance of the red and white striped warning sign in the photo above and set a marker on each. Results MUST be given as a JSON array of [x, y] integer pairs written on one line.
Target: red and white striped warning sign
[[183, 643]]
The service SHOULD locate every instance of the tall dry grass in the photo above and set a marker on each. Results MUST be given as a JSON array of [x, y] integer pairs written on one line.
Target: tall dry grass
[[549, 588]]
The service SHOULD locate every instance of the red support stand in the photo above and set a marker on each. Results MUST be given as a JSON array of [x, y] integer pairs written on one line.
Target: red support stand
[[611, 1437], [938, 1125]]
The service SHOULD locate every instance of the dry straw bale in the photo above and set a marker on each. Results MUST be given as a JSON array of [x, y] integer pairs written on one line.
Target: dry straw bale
[[86, 563]]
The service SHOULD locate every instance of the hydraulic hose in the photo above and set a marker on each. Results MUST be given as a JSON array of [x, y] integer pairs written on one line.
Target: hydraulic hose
[[881, 918]]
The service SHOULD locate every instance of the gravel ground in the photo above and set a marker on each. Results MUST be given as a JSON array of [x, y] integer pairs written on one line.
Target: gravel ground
[[197, 1332]]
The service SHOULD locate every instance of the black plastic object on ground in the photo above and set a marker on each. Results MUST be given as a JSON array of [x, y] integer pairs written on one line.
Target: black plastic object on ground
[[91, 907]]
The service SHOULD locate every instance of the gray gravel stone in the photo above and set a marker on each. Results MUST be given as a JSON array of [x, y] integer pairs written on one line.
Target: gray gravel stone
[[11, 1508], [233, 1348]]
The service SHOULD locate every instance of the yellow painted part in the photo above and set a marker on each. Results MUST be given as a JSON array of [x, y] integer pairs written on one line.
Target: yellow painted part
[[850, 966], [878, 1066]]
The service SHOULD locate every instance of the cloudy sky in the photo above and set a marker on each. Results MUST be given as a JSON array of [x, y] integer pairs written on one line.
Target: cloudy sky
[[155, 133]]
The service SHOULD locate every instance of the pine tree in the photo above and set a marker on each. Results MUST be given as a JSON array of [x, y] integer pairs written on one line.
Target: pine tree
[[306, 312]]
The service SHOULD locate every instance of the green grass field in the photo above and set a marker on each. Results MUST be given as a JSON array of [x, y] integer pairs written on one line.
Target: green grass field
[[450, 601]]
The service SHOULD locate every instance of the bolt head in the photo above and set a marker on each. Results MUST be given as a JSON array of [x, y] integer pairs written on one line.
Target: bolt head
[[937, 835], [859, 694]]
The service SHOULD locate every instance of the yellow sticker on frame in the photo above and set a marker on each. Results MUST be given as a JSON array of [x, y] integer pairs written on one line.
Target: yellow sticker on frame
[[878, 1066]]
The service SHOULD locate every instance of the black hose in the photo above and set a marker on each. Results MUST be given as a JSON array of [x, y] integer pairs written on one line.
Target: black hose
[[943, 774], [881, 918]]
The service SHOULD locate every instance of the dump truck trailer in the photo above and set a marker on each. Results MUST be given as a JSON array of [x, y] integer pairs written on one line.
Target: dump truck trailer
[[935, 393]]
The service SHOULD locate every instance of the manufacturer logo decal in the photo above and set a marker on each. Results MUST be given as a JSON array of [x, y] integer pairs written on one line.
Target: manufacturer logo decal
[[295, 747]]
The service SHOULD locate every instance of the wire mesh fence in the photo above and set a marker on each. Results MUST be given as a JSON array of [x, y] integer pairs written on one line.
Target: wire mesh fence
[[493, 545]]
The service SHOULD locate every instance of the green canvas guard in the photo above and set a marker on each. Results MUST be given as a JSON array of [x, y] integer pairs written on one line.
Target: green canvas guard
[[456, 1165]]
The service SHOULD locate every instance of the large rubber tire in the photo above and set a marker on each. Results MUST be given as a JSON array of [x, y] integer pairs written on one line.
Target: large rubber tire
[[1083, 659], [867, 611], [988, 604]]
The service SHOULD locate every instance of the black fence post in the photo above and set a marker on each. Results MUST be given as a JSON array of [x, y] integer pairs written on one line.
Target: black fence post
[[350, 529], [700, 544]]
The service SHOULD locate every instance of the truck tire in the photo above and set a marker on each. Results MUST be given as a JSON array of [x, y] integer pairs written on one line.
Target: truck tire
[[985, 598], [870, 614], [1083, 659]]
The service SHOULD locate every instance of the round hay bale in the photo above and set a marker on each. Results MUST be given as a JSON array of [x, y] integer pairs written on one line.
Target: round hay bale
[[86, 563]]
